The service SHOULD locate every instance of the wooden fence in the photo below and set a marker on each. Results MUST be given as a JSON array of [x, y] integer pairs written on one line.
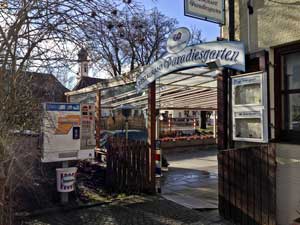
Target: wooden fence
[[128, 167], [247, 185]]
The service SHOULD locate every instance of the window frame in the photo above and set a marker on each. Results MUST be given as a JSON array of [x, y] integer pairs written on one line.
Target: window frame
[[281, 106]]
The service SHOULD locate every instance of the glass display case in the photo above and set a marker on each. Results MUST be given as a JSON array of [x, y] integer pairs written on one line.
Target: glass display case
[[249, 107]]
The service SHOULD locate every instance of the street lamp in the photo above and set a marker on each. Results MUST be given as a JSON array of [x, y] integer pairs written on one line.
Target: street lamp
[[126, 110]]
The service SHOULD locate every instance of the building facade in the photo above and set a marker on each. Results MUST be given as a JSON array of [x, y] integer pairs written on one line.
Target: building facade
[[272, 28]]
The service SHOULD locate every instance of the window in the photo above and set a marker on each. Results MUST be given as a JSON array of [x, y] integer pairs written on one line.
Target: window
[[291, 91], [287, 80]]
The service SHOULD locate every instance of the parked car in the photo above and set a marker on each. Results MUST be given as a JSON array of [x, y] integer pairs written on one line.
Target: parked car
[[138, 135]]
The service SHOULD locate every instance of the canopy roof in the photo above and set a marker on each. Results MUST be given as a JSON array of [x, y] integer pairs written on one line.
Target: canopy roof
[[189, 89], [192, 89]]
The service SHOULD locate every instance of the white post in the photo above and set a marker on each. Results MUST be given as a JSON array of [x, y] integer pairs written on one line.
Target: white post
[[215, 123], [199, 120], [157, 127], [64, 196]]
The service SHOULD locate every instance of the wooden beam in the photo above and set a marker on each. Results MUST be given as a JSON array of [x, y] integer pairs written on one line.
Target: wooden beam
[[189, 108], [189, 86], [197, 75], [151, 133], [193, 102], [98, 117], [222, 110], [186, 93]]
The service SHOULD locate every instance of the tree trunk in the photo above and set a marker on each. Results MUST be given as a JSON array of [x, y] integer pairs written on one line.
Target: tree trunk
[[203, 119]]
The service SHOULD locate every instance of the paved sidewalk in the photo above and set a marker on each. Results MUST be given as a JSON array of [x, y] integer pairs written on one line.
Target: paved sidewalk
[[192, 179], [137, 210]]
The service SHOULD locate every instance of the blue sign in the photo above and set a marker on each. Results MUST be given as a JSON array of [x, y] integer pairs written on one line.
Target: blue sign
[[62, 107]]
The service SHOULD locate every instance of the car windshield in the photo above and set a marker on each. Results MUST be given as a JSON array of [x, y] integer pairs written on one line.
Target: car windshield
[[105, 134], [133, 135]]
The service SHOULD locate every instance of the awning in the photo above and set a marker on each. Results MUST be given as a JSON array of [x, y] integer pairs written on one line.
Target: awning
[[189, 89]]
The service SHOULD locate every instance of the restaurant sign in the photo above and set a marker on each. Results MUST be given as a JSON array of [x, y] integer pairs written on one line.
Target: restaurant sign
[[230, 54], [210, 10], [178, 40]]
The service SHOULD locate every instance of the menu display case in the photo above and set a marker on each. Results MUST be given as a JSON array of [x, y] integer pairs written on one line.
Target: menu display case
[[249, 107]]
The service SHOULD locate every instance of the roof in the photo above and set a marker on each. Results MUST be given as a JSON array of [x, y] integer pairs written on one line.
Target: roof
[[189, 89], [46, 87], [87, 81]]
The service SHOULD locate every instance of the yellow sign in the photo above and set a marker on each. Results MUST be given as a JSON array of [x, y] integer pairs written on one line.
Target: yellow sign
[[65, 123]]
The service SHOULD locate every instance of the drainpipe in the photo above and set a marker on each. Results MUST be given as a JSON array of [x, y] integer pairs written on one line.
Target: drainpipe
[[250, 12], [227, 80]]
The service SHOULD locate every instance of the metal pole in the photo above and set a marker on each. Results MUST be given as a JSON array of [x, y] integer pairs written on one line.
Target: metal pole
[[199, 120], [228, 78], [64, 196], [231, 20], [249, 30], [157, 127], [126, 129], [215, 123]]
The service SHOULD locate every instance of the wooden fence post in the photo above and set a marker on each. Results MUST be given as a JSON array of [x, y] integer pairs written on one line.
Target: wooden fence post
[[222, 81], [247, 185], [151, 133]]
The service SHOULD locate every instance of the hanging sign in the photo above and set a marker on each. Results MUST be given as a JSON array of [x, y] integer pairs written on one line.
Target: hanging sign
[[178, 40], [230, 54], [209, 10]]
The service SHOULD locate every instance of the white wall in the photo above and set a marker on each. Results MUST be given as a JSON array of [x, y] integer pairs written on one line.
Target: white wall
[[288, 183]]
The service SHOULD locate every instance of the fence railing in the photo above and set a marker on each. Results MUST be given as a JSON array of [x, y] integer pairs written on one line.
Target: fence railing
[[247, 185], [128, 167]]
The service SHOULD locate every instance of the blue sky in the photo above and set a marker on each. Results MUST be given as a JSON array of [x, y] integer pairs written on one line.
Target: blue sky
[[175, 9]]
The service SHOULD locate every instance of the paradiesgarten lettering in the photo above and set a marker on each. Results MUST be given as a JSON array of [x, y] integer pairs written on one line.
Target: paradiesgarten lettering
[[229, 54]]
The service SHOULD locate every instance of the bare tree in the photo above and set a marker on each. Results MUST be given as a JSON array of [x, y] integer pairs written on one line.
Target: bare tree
[[129, 41], [45, 36], [196, 36], [35, 36]]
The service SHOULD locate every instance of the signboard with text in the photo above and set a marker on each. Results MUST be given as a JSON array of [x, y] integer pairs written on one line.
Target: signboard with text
[[250, 108], [210, 10], [62, 132], [228, 54], [178, 40]]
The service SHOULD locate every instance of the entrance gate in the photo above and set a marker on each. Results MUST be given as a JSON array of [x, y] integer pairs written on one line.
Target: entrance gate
[[128, 169]]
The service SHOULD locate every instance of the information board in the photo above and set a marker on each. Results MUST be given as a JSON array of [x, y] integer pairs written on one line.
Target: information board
[[249, 111], [61, 133]]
